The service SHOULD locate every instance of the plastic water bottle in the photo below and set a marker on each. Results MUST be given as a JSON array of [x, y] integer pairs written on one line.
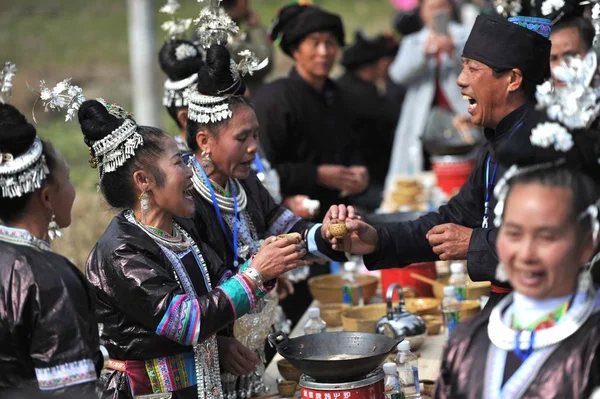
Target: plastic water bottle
[[450, 309], [408, 369], [315, 324], [350, 284], [458, 279], [393, 389]]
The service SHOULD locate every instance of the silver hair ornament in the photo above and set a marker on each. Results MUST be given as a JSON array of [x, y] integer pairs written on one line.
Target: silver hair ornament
[[8, 72], [184, 51], [115, 109], [578, 104], [548, 134], [508, 8], [62, 96], [171, 7], [214, 27], [249, 63], [176, 26], [23, 174]]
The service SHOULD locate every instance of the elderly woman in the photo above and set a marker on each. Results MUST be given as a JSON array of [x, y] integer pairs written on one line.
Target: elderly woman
[[162, 294], [234, 211], [48, 330]]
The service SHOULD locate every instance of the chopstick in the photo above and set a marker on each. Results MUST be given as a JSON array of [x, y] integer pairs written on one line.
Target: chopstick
[[426, 280]]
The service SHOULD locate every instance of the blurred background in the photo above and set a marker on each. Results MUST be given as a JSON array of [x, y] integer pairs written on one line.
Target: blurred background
[[88, 41]]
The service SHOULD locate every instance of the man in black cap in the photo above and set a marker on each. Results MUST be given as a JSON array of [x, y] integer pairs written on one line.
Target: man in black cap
[[503, 61], [374, 114]]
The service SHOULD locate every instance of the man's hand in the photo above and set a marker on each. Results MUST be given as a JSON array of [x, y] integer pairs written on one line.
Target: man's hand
[[363, 238], [338, 177], [445, 44], [450, 241], [235, 358]]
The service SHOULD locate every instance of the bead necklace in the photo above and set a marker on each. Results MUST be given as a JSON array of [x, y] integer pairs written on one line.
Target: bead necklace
[[22, 237], [178, 243]]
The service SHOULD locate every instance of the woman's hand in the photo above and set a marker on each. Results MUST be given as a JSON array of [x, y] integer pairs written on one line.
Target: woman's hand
[[362, 238], [235, 358], [296, 205], [277, 256], [284, 287]]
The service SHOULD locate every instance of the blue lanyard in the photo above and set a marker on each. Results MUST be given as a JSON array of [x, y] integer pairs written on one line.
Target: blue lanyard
[[488, 187], [258, 164], [218, 211], [489, 183]]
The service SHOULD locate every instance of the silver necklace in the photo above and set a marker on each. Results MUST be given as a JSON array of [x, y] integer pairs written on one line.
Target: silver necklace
[[224, 203], [22, 237], [504, 337], [179, 243]]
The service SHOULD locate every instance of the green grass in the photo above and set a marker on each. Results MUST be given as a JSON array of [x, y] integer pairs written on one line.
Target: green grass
[[87, 40]]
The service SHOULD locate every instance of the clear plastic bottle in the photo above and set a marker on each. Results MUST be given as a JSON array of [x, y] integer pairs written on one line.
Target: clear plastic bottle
[[350, 284], [450, 309], [408, 368], [315, 324], [393, 389], [458, 279]]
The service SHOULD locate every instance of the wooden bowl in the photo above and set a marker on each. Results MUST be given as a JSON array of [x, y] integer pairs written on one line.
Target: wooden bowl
[[287, 371], [475, 289], [328, 288], [287, 389], [331, 313], [433, 323], [469, 309], [365, 318]]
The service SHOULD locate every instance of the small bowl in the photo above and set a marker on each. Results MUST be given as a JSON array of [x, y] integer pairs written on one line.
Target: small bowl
[[328, 288], [331, 313], [428, 387], [433, 324], [287, 389], [288, 371]]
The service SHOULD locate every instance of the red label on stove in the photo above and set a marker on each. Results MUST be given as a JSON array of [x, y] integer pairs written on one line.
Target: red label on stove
[[373, 391]]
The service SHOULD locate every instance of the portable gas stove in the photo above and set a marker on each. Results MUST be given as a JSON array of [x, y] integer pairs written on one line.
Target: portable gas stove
[[368, 387]]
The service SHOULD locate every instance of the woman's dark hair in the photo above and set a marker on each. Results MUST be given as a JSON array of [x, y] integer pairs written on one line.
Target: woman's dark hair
[[177, 69], [118, 187], [215, 79], [584, 189], [16, 136]]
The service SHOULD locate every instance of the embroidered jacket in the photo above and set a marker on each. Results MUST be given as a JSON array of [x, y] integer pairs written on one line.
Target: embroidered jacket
[[146, 314], [48, 332]]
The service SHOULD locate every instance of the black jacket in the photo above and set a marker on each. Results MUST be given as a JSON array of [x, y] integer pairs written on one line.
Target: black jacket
[[47, 324], [301, 129], [405, 243]]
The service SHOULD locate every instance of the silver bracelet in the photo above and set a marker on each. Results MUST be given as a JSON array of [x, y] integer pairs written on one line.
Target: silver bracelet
[[255, 276]]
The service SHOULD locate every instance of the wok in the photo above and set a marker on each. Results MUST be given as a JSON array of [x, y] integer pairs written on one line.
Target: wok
[[395, 217], [335, 356]]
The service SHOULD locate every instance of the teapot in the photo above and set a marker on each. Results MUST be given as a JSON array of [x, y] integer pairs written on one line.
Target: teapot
[[399, 323]]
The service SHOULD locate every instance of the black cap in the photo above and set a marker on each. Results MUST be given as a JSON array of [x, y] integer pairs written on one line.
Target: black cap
[[294, 22], [365, 51], [520, 42]]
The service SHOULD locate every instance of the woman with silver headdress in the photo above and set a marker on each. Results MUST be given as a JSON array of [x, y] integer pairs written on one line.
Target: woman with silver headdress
[[543, 340], [48, 330], [234, 212], [161, 293]]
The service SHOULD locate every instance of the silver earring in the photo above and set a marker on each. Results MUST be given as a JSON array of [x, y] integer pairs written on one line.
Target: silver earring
[[144, 204], [53, 228], [206, 161]]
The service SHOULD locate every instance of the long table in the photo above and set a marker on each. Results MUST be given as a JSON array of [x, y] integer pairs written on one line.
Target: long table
[[430, 355]]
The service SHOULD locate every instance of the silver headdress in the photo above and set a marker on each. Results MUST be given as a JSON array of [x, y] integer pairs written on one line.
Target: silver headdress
[[508, 8], [114, 150], [7, 74], [23, 174], [215, 27], [176, 26], [63, 95]]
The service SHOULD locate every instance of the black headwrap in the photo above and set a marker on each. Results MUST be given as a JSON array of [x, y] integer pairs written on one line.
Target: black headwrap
[[294, 22], [503, 45], [365, 51]]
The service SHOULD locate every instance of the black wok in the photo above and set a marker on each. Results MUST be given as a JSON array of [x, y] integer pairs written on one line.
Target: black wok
[[321, 356]]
